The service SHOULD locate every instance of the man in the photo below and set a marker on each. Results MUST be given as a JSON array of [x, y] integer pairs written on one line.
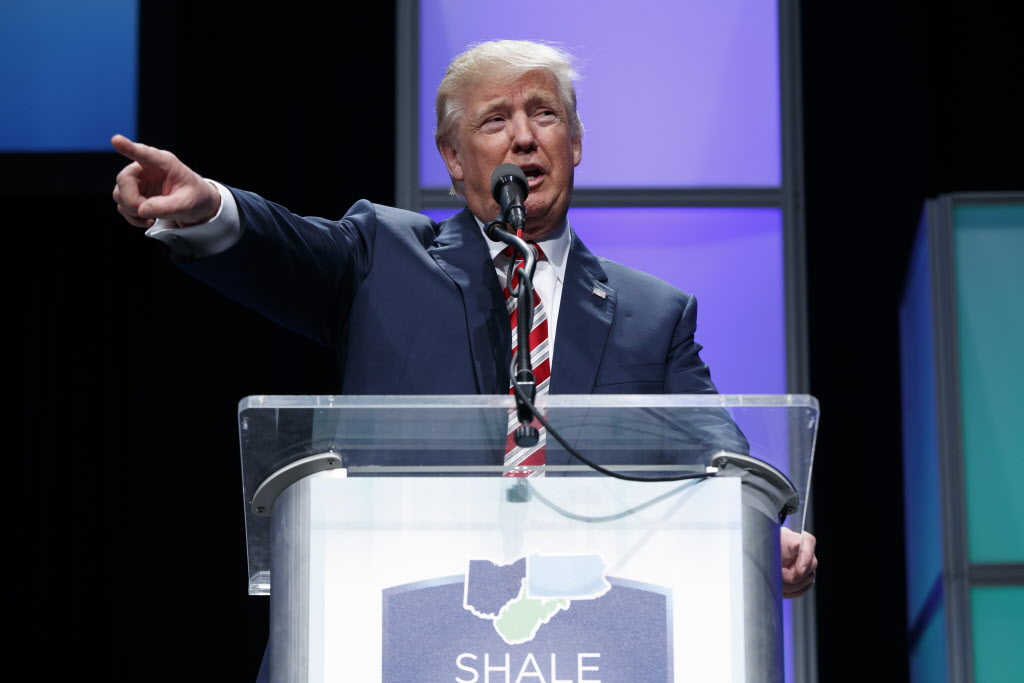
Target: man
[[373, 282]]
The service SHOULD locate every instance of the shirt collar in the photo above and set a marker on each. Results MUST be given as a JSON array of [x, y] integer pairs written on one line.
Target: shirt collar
[[555, 246]]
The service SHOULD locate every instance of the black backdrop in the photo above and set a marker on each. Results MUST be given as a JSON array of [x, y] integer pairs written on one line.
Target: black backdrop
[[128, 557]]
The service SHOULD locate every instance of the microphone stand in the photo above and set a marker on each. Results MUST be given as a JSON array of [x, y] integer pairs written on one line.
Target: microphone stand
[[523, 380]]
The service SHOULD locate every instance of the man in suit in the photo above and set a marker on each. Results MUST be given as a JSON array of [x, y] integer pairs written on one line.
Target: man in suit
[[414, 307]]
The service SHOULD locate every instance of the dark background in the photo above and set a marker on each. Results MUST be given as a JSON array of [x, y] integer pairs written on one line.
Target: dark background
[[128, 551]]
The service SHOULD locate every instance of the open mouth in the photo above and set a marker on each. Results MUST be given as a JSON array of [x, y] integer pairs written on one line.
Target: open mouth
[[532, 174]]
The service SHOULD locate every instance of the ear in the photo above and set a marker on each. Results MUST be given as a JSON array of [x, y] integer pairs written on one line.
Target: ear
[[451, 160], [577, 152]]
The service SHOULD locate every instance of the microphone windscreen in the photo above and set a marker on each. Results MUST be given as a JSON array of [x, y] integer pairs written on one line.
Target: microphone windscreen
[[503, 172]]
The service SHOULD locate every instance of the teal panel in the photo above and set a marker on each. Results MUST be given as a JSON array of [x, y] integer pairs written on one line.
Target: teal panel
[[997, 616], [921, 503], [989, 246], [928, 659]]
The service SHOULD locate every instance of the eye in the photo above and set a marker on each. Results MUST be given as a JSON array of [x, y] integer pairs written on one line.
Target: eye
[[493, 123]]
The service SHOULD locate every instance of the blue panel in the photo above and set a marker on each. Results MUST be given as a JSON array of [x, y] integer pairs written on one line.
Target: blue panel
[[928, 658], [921, 492], [67, 74], [673, 93]]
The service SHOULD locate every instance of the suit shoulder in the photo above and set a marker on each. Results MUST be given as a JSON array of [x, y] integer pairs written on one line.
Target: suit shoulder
[[400, 222], [625, 278]]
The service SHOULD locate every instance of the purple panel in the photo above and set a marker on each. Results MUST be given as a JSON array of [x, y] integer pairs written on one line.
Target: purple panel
[[438, 215], [731, 259], [673, 93]]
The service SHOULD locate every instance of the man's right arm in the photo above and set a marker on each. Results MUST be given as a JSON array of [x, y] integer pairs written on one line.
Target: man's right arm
[[300, 272], [218, 234]]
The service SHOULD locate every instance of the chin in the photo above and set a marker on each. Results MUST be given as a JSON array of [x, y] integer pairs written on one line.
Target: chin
[[536, 232]]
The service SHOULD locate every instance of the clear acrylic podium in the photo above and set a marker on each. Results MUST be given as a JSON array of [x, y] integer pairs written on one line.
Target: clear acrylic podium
[[394, 550]]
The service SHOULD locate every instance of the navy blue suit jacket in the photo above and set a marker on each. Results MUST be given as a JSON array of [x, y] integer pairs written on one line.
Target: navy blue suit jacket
[[415, 307]]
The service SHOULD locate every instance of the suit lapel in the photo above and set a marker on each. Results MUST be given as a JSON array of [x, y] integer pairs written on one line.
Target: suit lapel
[[460, 251], [584, 320]]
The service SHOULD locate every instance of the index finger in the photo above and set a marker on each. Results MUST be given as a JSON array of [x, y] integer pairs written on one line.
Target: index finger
[[136, 151]]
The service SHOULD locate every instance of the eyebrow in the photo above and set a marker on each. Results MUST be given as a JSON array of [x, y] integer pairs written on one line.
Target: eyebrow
[[532, 97], [542, 96]]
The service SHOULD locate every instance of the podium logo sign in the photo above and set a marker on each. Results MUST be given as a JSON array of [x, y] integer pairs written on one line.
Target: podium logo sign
[[541, 619]]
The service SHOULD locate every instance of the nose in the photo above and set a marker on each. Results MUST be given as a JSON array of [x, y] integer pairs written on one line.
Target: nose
[[521, 131]]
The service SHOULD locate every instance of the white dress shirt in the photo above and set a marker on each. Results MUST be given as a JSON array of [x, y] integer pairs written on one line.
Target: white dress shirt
[[547, 278]]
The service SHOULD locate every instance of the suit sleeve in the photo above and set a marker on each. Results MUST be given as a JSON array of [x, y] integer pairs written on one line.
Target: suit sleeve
[[685, 372], [710, 429], [299, 272]]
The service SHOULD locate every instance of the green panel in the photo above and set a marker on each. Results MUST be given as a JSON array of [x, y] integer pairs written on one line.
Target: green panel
[[989, 249], [997, 616]]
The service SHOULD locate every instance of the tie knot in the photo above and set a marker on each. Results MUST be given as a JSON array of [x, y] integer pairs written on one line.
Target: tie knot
[[510, 252]]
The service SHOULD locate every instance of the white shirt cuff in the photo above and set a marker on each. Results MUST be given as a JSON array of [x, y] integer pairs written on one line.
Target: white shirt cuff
[[205, 239]]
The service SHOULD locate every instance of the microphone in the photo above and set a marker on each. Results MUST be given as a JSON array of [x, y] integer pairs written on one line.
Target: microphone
[[509, 188]]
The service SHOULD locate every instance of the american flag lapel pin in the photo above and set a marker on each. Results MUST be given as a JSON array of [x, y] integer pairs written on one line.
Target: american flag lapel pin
[[598, 292]]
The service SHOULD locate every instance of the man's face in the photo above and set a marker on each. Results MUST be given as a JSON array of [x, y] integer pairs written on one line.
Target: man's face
[[523, 123]]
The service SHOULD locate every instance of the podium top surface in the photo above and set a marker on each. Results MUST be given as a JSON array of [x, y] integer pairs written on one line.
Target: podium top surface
[[551, 400], [465, 435]]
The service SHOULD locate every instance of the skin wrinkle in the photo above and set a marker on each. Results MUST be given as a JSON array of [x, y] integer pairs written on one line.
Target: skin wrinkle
[[522, 123]]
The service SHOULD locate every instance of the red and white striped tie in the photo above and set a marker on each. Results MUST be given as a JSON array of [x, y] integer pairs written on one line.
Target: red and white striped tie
[[522, 459]]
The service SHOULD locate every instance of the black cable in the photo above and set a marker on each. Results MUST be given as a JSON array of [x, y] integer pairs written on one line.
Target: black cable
[[590, 519], [525, 282], [593, 465]]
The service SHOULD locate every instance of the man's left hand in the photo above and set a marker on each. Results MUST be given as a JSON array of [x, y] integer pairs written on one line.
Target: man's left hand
[[799, 562]]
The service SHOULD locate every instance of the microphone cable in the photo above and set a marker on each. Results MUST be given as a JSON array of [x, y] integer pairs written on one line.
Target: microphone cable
[[593, 465]]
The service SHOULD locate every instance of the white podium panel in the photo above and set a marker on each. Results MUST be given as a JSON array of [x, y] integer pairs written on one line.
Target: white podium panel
[[588, 579]]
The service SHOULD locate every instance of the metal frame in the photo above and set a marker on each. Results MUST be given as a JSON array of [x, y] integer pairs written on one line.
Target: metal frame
[[794, 259], [956, 592], [407, 161], [789, 198]]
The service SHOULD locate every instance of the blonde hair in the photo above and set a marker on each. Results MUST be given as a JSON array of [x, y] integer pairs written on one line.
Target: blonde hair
[[502, 61]]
